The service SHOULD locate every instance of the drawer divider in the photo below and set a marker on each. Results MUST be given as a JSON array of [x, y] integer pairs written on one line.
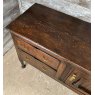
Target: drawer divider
[[60, 70]]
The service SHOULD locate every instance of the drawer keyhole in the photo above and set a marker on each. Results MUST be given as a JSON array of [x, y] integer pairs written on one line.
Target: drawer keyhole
[[44, 58], [27, 58]]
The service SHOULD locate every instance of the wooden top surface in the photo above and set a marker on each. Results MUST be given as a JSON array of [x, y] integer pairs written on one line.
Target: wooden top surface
[[66, 36]]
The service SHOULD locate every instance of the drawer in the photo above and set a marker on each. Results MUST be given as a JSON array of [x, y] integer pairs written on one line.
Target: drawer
[[36, 63], [40, 55], [80, 80]]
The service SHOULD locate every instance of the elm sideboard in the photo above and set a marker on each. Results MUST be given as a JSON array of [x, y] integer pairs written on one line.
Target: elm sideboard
[[61, 43]]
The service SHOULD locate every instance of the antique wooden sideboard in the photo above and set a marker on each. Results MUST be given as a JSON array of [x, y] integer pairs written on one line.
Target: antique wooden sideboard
[[61, 42]]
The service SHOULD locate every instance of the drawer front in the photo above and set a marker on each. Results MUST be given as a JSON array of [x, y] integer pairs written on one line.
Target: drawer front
[[36, 63], [80, 80], [42, 56]]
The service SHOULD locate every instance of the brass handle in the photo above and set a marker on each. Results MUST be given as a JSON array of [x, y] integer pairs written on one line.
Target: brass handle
[[73, 77]]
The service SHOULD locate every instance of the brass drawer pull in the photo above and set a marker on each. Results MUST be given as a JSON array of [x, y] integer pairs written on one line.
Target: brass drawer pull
[[73, 77]]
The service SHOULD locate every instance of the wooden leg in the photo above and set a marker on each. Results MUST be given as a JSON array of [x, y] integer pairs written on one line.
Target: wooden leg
[[23, 65]]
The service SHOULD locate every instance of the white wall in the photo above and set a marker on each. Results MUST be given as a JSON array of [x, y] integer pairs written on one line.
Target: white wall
[[76, 8], [10, 12]]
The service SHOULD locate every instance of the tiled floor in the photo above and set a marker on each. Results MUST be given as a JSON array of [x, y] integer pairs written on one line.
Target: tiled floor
[[28, 81]]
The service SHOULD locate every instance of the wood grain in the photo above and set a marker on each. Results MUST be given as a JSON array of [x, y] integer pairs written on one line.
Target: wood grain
[[64, 35], [41, 66], [60, 41], [42, 56]]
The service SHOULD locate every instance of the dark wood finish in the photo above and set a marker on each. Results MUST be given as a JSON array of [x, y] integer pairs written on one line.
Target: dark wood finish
[[60, 42], [49, 60], [41, 66], [56, 30]]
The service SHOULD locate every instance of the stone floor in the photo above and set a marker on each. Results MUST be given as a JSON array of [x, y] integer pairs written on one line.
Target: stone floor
[[28, 81]]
